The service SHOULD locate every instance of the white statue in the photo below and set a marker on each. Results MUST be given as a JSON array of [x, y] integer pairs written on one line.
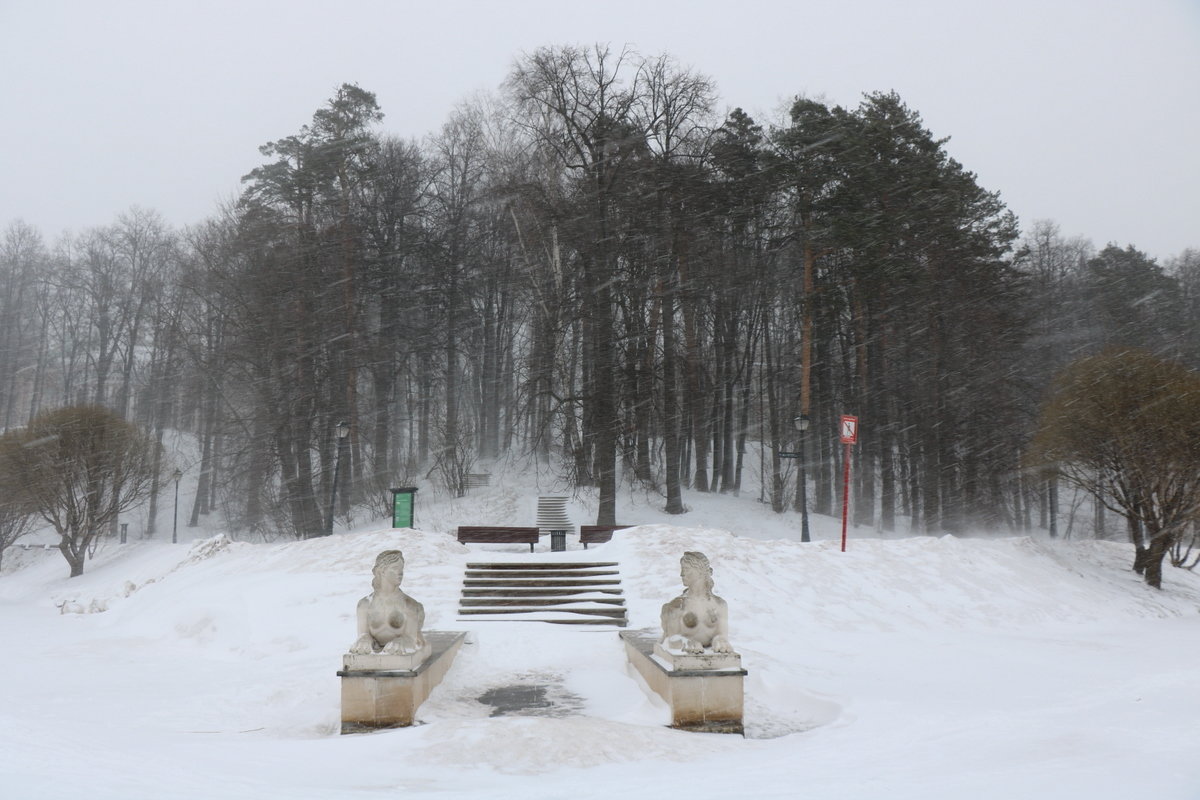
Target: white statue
[[389, 621], [697, 621]]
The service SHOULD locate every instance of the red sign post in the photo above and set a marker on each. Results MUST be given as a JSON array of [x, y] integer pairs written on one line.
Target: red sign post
[[849, 437]]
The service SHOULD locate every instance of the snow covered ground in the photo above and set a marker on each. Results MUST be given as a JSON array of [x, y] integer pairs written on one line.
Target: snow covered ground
[[975, 667]]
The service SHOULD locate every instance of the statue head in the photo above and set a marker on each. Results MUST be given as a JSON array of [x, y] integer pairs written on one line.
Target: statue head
[[695, 571], [389, 561]]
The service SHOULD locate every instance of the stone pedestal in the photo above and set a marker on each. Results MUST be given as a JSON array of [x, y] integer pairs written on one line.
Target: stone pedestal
[[705, 691], [384, 662], [385, 691], [684, 662]]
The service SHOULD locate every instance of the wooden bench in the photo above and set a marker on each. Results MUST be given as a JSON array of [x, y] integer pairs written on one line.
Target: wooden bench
[[480, 534], [598, 534]]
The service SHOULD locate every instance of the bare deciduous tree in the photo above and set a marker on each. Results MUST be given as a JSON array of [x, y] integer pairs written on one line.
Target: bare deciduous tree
[[77, 468], [1125, 426]]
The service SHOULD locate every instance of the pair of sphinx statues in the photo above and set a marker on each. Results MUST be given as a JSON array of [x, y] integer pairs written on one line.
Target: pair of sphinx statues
[[390, 622]]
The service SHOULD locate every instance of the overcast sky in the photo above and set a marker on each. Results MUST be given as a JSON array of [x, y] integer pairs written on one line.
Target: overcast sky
[[1084, 112]]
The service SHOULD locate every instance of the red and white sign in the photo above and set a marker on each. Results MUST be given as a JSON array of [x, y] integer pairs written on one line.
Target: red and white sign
[[848, 430]]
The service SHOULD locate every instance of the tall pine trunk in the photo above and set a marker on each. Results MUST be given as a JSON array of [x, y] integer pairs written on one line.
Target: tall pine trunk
[[672, 424]]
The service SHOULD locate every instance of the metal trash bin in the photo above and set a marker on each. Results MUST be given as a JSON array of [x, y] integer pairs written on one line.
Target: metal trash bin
[[558, 541]]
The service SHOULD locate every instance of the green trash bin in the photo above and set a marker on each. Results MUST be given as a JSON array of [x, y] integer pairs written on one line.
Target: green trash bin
[[402, 506]]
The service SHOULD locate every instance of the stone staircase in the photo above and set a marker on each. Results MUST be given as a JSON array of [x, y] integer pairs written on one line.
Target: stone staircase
[[559, 592]]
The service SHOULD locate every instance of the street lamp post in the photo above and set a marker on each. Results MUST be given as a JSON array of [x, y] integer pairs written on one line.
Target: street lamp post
[[342, 430], [801, 423], [175, 522]]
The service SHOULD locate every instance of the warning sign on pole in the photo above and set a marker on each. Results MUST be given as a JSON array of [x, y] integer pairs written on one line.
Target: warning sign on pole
[[849, 437]]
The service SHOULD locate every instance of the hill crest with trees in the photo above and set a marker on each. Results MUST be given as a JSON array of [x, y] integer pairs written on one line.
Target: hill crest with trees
[[593, 269]]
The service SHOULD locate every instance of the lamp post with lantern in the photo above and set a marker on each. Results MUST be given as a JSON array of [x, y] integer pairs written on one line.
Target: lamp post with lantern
[[175, 522], [342, 430], [801, 422]]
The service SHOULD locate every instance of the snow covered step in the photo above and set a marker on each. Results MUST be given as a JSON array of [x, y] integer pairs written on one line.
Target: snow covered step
[[513, 574], [565, 583], [542, 566], [531, 602], [560, 592], [601, 623], [503, 591], [615, 613]]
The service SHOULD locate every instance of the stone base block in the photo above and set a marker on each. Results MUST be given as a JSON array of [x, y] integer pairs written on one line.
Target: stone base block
[[689, 661], [710, 700], [376, 662], [376, 695]]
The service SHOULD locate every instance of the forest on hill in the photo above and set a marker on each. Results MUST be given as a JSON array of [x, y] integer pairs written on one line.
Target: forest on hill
[[593, 269]]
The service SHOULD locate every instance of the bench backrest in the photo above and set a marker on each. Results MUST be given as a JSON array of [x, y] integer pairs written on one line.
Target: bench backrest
[[491, 533], [595, 534], [481, 534]]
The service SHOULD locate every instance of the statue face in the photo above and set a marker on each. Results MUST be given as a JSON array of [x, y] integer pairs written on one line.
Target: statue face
[[393, 573], [691, 574]]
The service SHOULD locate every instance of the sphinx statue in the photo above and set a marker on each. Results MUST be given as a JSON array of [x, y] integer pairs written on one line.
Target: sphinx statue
[[389, 621], [697, 621]]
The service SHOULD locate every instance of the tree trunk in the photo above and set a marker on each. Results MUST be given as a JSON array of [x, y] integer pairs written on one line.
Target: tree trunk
[[743, 419], [383, 382], [75, 562], [694, 398], [1141, 554], [605, 414], [39, 376], [307, 519], [74, 555], [823, 424], [258, 473], [152, 513], [425, 404], [1160, 544], [887, 477], [573, 440], [729, 402], [1053, 501], [450, 440], [208, 428], [671, 410], [774, 413]]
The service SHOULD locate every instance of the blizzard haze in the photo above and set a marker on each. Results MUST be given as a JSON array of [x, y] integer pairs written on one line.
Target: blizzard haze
[[1077, 111]]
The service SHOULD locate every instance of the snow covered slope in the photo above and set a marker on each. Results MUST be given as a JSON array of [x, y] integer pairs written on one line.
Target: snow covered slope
[[911, 667]]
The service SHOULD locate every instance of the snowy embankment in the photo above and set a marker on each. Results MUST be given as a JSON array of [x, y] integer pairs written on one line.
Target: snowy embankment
[[919, 667]]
